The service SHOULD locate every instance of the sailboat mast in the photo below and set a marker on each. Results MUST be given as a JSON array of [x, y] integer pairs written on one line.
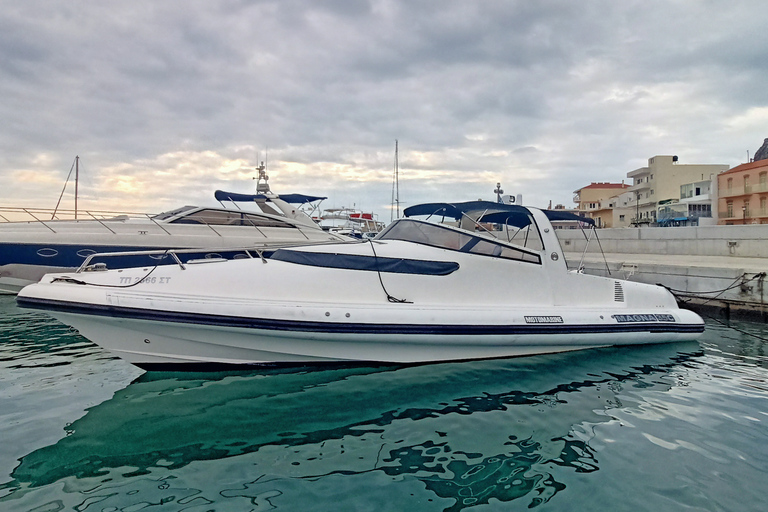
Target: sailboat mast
[[77, 180], [395, 189]]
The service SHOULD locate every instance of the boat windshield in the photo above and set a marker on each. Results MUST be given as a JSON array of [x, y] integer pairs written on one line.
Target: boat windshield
[[215, 217], [446, 237], [173, 213]]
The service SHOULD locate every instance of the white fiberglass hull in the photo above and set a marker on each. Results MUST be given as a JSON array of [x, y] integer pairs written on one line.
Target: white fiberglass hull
[[390, 300], [158, 337]]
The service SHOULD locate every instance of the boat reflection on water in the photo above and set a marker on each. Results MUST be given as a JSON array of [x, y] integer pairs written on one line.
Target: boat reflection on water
[[448, 435]]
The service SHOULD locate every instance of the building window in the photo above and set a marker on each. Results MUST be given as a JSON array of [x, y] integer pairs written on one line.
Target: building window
[[651, 191], [747, 188], [651, 176], [621, 217], [763, 181], [762, 206], [746, 209], [730, 184], [729, 210]]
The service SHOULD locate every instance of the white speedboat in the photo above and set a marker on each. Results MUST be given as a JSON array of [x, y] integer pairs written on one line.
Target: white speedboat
[[31, 248], [494, 284]]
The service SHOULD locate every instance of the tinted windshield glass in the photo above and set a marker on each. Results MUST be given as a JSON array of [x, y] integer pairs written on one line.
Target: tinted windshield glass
[[231, 218], [455, 240], [172, 213]]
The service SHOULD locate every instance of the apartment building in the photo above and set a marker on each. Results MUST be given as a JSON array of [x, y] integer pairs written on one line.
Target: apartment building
[[743, 194], [599, 202], [660, 184]]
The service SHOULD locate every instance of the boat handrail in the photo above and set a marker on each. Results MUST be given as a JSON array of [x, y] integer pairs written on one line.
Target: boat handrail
[[152, 218], [67, 214], [173, 253], [14, 214], [99, 221]]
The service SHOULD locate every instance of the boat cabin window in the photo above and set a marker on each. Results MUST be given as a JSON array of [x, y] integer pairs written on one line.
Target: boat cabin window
[[447, 238], [172, 213], [231, 218]]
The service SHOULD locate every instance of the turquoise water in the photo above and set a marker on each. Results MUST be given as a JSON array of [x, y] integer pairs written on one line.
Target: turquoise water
[[667, 427]]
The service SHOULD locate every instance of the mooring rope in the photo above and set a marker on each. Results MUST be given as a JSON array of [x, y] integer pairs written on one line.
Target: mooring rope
[[390, 297], [719, 292]]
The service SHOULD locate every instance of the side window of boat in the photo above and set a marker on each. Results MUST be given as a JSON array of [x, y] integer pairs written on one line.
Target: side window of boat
[[233, 218], [262, 222], [500, 251], [211, 217]]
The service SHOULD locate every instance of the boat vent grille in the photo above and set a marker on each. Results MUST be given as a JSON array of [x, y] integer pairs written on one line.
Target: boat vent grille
[[618, 292]]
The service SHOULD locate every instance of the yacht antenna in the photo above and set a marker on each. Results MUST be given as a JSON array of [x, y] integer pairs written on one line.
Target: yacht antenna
[[395, 190], [262, 188]]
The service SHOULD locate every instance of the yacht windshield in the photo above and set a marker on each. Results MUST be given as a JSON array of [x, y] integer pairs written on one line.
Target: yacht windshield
[[453, 239], [231, 218], [173, 213]]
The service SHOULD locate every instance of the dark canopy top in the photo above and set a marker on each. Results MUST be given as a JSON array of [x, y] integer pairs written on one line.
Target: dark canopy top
[[220, 195], [497, 213]]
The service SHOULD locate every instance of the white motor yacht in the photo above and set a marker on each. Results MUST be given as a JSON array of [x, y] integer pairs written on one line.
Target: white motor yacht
[[492, 282], [32, 246]]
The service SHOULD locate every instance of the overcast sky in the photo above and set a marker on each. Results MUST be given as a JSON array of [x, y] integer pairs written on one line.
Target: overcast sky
[[167, 101]]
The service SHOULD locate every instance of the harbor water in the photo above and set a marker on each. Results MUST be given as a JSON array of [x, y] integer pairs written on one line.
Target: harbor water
[[661, 428]]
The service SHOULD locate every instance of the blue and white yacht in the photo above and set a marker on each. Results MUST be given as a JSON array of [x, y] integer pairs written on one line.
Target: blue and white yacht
[[32, 245]]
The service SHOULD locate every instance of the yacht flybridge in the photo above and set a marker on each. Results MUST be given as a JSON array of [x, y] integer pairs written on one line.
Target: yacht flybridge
[[488, 280]]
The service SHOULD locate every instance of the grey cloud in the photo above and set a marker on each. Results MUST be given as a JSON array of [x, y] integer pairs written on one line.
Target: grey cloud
[[335, 82]]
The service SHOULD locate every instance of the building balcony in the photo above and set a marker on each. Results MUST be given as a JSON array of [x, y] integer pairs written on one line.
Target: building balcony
[[744, 191], [742, 215], [642, 221], [639, 187]]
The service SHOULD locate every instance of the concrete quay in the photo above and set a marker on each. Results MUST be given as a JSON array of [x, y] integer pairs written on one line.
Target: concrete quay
[[716, 266]]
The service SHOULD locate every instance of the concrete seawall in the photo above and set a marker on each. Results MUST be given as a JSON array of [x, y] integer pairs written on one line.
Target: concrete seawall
[[722, 266], [750, 241]]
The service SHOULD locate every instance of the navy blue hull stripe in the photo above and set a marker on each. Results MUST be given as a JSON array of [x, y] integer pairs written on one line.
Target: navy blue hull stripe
[[350, 327]]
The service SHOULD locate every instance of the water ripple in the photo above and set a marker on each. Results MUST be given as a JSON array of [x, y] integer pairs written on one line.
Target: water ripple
[[663, 427]]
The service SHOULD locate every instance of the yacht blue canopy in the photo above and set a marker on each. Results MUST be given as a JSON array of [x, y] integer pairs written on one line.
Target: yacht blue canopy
[[220, 195], [497, 213]]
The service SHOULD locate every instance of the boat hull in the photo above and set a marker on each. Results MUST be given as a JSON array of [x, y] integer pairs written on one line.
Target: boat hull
[[165, 339], [417, 294]]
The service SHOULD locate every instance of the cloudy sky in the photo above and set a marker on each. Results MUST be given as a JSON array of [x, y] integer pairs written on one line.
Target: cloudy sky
[[167, 101]]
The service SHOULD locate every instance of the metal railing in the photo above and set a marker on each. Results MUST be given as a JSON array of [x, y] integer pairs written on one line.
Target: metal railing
[[49, 218], [23, 214], [159, 254]]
